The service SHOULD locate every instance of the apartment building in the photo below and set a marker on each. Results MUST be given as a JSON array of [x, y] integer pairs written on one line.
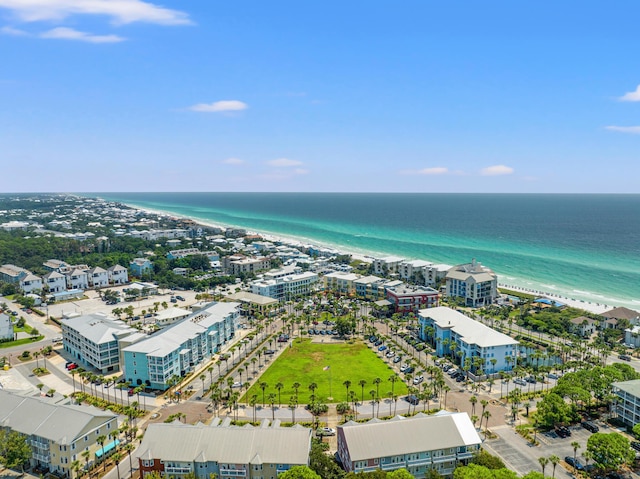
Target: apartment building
[[409, 298], [387, 265], [98, 277], [31, 283], [476, 285], [96, 340], [10, 273], [238, 264], [223, 451], [178, 349], [343, 283], [55, 282], [140, 266], [627, 401], [448, 330], [419, 443], [285, 287], [118, 274], [58, 434]]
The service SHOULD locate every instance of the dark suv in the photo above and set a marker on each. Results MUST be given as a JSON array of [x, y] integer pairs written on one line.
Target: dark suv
[[563, 431], [412, 399], [589, 426]]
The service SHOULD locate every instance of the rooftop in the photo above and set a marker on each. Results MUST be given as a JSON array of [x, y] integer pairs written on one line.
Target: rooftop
[[98, 327], [472, 331]]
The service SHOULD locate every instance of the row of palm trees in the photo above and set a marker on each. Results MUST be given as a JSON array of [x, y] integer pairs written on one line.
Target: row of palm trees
[[554, 460]]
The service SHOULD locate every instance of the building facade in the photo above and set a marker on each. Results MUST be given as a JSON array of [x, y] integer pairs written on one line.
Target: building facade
[[410, 299], [6, 328], [627, 401], [453, 333], [339, 282], [118, 274], [95, 340], [140, 266], [286, 287], [474, 284], [420, 443], [58, 434], [178, 349]]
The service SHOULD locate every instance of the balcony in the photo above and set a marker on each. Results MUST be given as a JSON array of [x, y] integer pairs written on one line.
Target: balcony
[[46, 459], [419, 462], [177, 470], [233, 472], [449, 457]]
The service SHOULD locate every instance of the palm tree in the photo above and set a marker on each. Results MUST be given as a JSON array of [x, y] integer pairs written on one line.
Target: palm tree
[[377, 382], [86, 455], [100, 440], [486, 415], [253, 403], [554, 460], [347, 384], [117, 457], [279, 386], [575, 445], [296, 386], [362, 384], [393, 378], [263, 386], [473, 400], [272, 401], [543, 463], [202, 378], [312, 388]]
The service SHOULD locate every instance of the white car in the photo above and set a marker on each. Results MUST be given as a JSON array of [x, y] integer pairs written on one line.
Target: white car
[[404, 367], [326, 431]]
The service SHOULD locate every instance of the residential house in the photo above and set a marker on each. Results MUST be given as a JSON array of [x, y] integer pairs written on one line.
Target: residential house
[[222, 451], [55, 265], [409, 299], [10, 273], [584, 326], [476, 285], [98, 277], [31, 283], [58, 434], [78, 279], [418, 444], [140, 266], [178, 349], [453, 333], [626, 316], [118, 274], [55, 282]]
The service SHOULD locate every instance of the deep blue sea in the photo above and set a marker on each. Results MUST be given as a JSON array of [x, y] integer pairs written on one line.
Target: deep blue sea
[[579, 246]]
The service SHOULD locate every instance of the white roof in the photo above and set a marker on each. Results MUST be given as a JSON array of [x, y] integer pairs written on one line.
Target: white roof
[[470, 330], [99, 328]]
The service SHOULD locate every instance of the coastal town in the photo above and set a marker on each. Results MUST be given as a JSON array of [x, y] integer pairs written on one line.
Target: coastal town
[[136, 344]]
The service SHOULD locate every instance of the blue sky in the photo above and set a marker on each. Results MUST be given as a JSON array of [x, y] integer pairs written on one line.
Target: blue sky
[[417, 96]]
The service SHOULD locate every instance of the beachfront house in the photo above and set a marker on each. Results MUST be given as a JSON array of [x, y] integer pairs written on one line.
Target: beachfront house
[[456, 335], [140, 266], [626, 404], [387, 265]]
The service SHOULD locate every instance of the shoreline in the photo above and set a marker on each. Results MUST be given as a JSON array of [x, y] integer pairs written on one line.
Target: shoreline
[[368, 257]]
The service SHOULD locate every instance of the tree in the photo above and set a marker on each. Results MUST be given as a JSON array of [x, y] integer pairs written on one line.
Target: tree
[[554, 460], [299, 472], [543, 463], [483, 458], [475, 471], [100, 440], [554, 410], [14, 449], [609, 451]]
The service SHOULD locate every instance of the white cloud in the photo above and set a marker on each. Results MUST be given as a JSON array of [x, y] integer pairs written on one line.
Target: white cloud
[[233, 161], [496, 170], [16, 32], [631, 96], [634, 130], [283, 163], [218, 106], [436, 170], [121, 11], [301, 171], [64, 33]]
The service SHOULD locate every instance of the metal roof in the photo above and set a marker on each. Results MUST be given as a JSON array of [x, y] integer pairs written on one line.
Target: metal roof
[[62, 424], [98, 328], [420, 433], [226, 444]]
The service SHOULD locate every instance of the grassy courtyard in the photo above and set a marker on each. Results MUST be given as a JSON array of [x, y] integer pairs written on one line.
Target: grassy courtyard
[[328, 366]]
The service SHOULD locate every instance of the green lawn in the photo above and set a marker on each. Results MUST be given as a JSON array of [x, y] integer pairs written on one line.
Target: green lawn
[[305, 363]]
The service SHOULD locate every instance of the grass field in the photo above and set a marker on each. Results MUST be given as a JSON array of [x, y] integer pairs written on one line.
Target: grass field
[[306, 363]]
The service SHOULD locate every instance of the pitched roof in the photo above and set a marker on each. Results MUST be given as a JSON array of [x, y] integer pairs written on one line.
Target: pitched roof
[[426, 433], [621, 313], [62, 424], [226, 444]]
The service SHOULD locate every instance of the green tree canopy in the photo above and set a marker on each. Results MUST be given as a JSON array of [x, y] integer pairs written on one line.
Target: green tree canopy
[[14, 449], [475, 471], [483, 458], [300, 472], [609, 451], [554, 410]]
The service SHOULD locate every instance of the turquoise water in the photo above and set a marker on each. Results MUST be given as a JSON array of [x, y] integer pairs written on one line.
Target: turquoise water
[[579, 246]]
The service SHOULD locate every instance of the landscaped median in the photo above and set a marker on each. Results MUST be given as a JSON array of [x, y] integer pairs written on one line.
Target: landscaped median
[[331, 367]]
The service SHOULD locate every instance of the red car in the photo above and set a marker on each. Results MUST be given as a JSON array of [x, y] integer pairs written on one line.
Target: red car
[[72, 366]]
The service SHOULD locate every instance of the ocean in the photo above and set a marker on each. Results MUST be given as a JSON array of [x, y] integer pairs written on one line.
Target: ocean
[[584, 247]]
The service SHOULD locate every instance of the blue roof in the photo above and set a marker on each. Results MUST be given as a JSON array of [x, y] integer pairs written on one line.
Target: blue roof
[[112, 445]]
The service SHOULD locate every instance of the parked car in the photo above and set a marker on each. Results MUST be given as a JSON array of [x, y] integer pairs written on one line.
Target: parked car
[[412, 399], [636, 445], [382, 348], [520, 381], [372, 339], [563, 431], [397, 359], [530, 379], [390, 354], [404, 367], [72, 366], [553, 376], [378, 342], [326, 431], [590, 426], [180, 298], [173, 299], [574, 463], [418, 379], [269, 351], [409, 370], [624, 357]]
